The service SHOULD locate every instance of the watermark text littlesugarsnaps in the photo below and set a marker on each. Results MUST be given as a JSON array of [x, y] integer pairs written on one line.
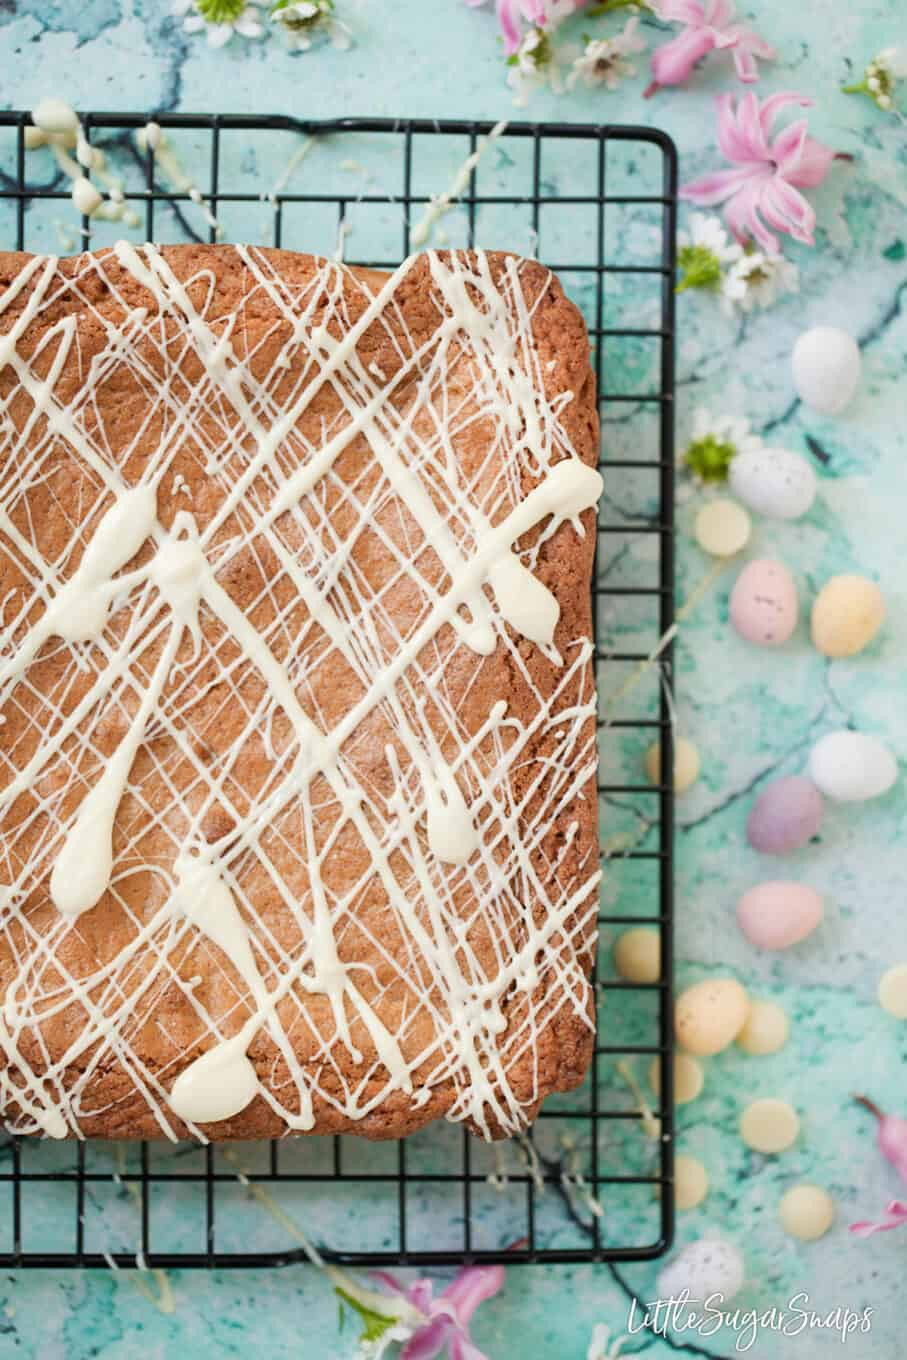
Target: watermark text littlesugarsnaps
[[704, 1317]]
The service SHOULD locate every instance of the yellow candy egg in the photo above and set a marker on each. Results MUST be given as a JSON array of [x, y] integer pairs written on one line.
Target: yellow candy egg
[[709, 1016], [691, 1181], [686, 764], [893, 991], [689, 1078], [847, 614], [637, 955], [766, 1030]]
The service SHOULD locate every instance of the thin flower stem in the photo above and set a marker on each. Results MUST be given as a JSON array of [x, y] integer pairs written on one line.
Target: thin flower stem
[[869, 1105]]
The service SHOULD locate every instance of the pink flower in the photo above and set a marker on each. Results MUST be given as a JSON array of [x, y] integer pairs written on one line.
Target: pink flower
[[447, 1317], [892, 1143], [891, 1135], [896, 1217], [709, 26], [761, 192], [537, 13]]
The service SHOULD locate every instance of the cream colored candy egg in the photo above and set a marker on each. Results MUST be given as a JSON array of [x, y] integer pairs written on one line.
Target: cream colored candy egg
[[689, 1078], [691, 1181], [769, 1126], [846, 615], [765, 1030], [807, 1212], [893, 991], [637, 955], [722, 528], [686, 764], [709, 1016]]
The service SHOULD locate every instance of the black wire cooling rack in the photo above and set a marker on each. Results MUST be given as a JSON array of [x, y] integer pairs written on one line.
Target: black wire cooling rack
[[598, 204]]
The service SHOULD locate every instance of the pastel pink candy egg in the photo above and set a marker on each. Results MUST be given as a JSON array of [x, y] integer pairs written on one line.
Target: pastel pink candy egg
[[778, 914], [785, 816], [763, 605]]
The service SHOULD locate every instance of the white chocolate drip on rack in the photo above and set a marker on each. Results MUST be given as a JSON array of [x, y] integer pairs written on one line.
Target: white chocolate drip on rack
[[147, 614]]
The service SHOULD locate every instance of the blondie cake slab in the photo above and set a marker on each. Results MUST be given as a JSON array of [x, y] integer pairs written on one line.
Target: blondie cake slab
[[298, 822]]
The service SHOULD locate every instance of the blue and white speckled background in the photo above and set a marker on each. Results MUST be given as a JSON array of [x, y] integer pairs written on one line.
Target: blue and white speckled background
[[750, 712]]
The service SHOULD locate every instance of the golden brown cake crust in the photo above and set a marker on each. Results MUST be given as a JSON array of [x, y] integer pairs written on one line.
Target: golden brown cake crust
[[138, 377]]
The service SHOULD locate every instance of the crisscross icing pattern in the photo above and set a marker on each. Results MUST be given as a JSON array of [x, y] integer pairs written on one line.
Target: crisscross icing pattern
[[297, 754]]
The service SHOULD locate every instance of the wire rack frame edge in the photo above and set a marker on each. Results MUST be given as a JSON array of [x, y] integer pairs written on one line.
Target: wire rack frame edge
[[15, 1178]]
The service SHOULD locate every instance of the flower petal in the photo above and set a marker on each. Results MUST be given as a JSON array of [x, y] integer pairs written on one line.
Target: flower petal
[[673, 62], [896, 1213], [471, 1287], [776, 102], [690, 12], [751, 128], [219, 34], [742, 216], [715, 187], [389, 1281], [508, 18], [428, 1341], [788, 145], [789, 204], [813, 165], [719, 13], [462, 1348]]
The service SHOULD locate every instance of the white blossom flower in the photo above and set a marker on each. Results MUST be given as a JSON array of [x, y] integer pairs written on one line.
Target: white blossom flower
[[603, 61], [219, 19], [703, 252], [378, 1348], [604, 1345], [881, 76], [715, 440], [757, 280], [303, 20], [534, 64]]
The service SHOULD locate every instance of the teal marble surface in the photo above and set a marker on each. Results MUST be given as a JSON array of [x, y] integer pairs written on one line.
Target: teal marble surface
[[751, 712]]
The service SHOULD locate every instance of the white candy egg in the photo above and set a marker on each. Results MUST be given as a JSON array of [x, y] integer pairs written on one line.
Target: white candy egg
[[708, 1266], [851, 767], [826, 366], [773, 482]]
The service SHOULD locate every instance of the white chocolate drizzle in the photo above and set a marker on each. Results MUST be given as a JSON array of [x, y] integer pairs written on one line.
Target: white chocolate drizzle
[[57, 126], [143, 614]]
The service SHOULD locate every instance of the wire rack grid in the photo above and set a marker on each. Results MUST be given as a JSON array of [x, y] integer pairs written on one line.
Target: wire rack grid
[[598, 204]]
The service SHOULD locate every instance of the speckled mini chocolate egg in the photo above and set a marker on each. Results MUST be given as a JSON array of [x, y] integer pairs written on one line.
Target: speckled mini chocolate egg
[[773, 482], [763, 605], [852, 767], [778, 914], [709, 1015], [703, 1268], [785, 816], [848, 612]]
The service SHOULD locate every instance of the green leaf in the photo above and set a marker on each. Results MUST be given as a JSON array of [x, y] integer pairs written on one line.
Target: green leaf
[[710, 458], [700, 268], [374, 1324]]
